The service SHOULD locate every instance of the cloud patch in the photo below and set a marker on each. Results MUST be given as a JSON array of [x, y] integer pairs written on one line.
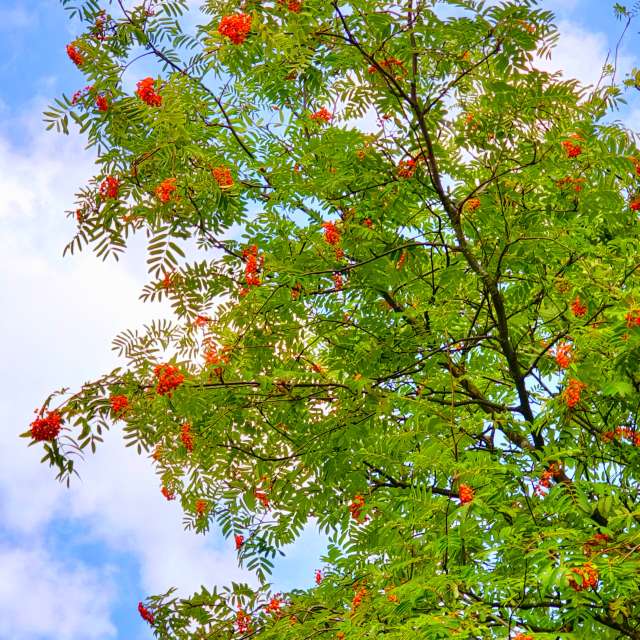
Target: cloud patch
[[41, 597], [581, 54]]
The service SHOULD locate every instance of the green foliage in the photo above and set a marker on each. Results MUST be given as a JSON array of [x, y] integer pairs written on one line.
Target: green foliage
[[376, 319]]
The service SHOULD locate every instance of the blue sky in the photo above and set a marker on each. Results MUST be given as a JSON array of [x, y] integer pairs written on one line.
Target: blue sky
[[74, 563]]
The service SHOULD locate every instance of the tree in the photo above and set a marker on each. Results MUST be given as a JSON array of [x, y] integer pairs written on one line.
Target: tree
[[414, 318]]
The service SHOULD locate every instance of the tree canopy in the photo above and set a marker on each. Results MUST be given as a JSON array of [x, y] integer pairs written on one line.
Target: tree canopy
[[403, 267]]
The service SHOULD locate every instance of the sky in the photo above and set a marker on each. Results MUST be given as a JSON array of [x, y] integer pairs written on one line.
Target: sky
[[75, 562]]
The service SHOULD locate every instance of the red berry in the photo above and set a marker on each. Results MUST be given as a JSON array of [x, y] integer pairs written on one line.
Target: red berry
[[147, 93], [331, 233], [572, 393], [119, 404], [572, 149], [145, 613], [76, 57], [321, 115], [110, 187], [578, 308], [169, 378], [223, 177], [48, 428], [168, 493], [165, 189], [466, 494], [235, 27], [186, 437], [101, 103]]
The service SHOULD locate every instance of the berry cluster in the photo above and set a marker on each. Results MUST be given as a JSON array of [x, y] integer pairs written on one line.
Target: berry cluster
[[110, 187], [145, 613], [243, 622], [213, 357], [578, 308], [250, 256], [472, 204], [633, 318], [466, 494], [165, 189], [222, 175], [102, 103], [322, 115], [239, 539], [166, 281], [588, 577], [99, 27], [168, 493], [570, 183], [47, 428], [622, 432], [355, 508], [331, 233], [563, 355], [292, 5], [76, 57], [572, 149], [202, 506], [235, 27], [636, 164], [262, 498], [201, 321], [386, 64], [357, 599], [274, 605], [169, 378], [81, 93], [119, 404], [318, 576], [554, 471], [406, 168], [572, 393], [147, 93], [597, 540], [186, 437]]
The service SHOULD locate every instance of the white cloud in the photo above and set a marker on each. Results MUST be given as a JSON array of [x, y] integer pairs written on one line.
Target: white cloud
[[127, 511], [42, 597], [58, 321], [581, 54], [61, 315]]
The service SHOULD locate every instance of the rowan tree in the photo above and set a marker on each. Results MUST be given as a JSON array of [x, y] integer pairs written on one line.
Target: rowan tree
[[403, 267]]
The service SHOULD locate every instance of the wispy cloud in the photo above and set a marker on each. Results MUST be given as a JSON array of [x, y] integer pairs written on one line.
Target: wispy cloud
[[41, 597], [581, 54], [63, 315]]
